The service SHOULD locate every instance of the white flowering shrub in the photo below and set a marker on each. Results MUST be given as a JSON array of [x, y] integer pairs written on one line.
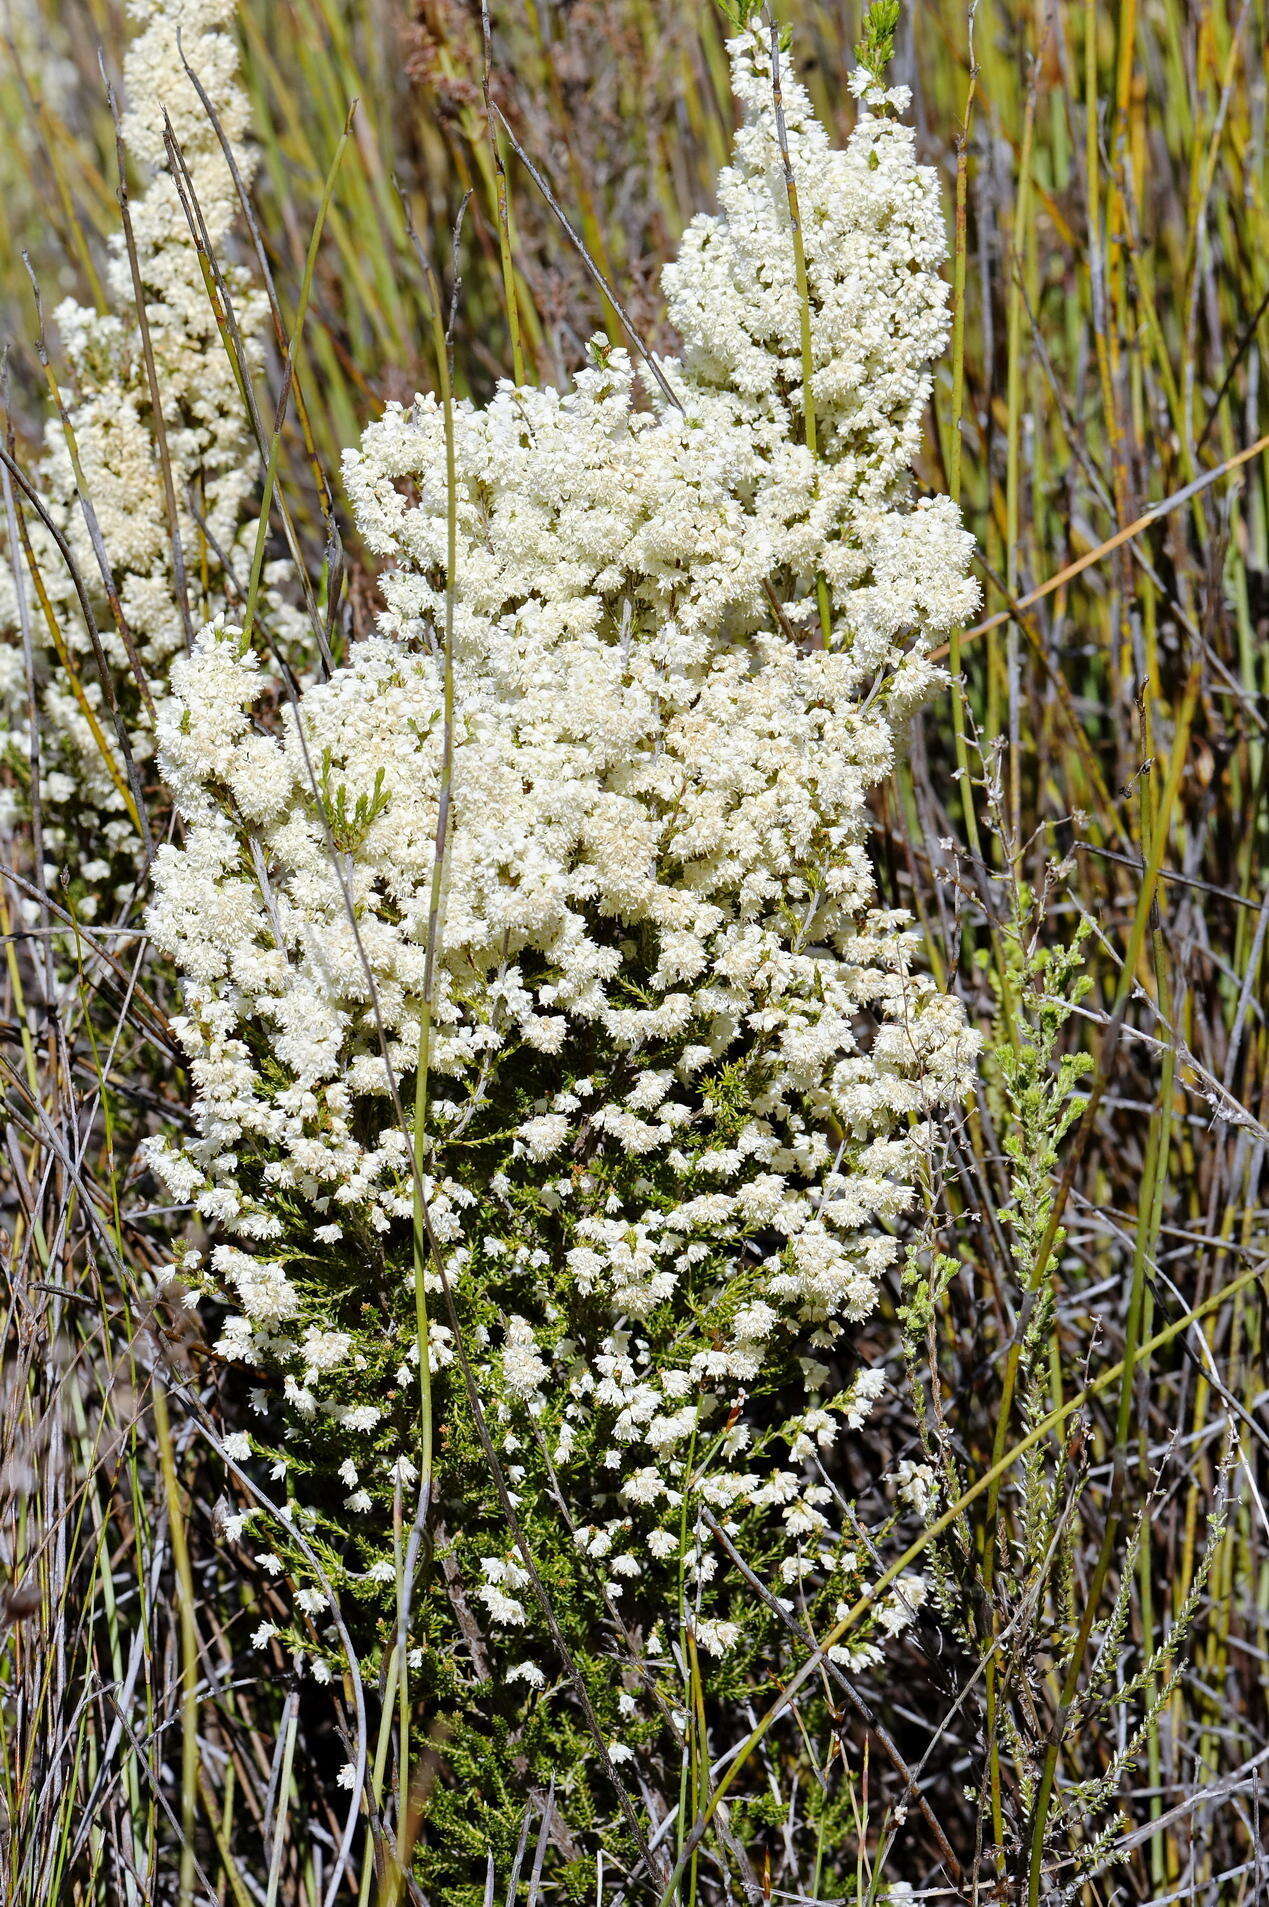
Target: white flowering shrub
[[107, 530], [683, 1072]]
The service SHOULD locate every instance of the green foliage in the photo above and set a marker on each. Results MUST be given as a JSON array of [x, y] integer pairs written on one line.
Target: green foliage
[[623, 1641], [739, 13], [874, 49], [1038, 986], [348, 829]]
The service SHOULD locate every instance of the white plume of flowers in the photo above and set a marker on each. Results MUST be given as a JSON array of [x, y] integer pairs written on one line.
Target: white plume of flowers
[[106, 391], [685, 1071]]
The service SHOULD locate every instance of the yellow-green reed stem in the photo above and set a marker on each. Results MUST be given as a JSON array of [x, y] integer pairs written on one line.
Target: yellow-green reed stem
[[1149, 1219], [1013, 451], [56, 139], [189, 1638], [15, 982], [66, 662], [192, 1778], [684, 1790], [1142, 919], [510, 296], [699, 1739], [377, 1769], [291, 1726], [103, 1577], [960, 721], [221, 1817], [1154, 842], [1136, 1357], [403, 1689], [1013, 456]]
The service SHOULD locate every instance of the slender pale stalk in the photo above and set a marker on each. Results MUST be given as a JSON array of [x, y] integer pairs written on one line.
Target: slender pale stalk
[[960, 253], [423, 1249], [187, 1604]]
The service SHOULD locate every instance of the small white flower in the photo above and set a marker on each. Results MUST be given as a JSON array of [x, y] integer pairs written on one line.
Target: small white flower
[[544, 1135], [916, 1485], [523, 1368], [716, 1637], [527, 1672]]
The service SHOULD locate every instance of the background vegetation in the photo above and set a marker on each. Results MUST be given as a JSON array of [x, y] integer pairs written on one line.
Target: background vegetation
[[1082, 835]]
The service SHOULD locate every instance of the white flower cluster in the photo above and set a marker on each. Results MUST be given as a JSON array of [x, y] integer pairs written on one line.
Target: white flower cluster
[[112, 430], [684, 1071]]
